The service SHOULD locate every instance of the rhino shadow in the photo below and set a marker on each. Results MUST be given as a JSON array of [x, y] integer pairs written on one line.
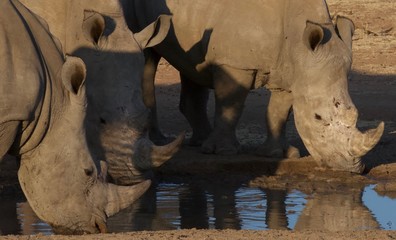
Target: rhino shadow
[[93, 131], [375, 96], [129, 7]]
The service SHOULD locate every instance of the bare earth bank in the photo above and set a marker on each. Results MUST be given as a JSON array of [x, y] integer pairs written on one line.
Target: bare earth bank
[[193, 234]]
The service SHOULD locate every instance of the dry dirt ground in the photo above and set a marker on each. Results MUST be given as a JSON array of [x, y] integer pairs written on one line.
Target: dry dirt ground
[[373, 89]]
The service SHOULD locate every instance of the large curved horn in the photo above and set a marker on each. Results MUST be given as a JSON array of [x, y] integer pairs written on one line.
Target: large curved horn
[[120, 197], [161, 154], [147, 155], [361, 143]]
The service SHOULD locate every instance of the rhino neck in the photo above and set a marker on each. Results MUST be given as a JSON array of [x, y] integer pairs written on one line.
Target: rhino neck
[[58, 13], [34, 131], [294, 18], [50, 62]]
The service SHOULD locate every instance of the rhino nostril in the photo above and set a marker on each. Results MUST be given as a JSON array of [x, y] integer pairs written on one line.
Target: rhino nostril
[[318, 117]]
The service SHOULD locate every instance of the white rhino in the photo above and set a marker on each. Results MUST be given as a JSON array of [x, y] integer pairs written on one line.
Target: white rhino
[[42, 110], [291, 47], [96, 31]]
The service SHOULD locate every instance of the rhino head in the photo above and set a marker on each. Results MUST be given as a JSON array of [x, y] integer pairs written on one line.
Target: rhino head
[[96, 31], [59, 177], [325, 115], [116, 112]]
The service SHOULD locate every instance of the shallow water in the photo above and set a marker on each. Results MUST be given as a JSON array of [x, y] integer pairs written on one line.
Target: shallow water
[[178, 206]]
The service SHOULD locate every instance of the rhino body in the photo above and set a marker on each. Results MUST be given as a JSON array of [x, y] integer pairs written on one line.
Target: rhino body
[[96, 31], [291, 48], [42, 110]]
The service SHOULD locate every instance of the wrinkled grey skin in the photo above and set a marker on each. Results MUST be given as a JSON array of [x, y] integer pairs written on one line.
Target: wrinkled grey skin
[[290, 47], [95, 31], [42, 110]]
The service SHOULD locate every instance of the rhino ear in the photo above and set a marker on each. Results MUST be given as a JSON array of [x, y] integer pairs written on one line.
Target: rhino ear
[[93, 26], [73, 76], [154, 33], [313, 35], [345, 29]]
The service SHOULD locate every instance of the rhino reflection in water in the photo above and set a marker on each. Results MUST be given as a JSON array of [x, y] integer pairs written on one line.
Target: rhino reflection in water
[[291, 47], [95, 30], [336, 211], [42, 111], [186, 206]]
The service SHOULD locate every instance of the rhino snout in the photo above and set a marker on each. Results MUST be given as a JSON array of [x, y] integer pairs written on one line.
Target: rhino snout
[[331, 136]]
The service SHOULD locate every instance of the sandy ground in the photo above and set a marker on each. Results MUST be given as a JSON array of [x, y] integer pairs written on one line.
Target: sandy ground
[[193, 234], [373, 90]]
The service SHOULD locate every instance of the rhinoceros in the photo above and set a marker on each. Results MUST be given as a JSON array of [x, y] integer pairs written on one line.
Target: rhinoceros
[[290, 47], [42, 110], [96, 31]]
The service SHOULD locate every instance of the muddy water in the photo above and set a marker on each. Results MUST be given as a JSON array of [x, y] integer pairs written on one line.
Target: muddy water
[[178, 206]]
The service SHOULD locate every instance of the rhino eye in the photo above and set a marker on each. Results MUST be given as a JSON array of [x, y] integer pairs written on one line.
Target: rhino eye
[[89, 171]]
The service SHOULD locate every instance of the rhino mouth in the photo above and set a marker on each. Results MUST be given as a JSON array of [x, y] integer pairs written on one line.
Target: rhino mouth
[[100, 224], [97, 224]]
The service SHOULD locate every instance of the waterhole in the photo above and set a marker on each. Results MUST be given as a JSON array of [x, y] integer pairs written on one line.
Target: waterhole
[[181, 206]]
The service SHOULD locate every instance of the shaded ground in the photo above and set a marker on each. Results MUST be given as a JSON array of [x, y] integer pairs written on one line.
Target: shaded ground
[[373, 90]]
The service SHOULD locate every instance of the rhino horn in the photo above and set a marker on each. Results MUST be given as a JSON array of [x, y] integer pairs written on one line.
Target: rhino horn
[[120, 197], [160, 154], [148, 155], [361, 143]]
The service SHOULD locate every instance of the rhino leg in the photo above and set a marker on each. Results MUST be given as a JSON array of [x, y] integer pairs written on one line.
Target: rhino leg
[[148, 89], [8, 131], [231, 87], [275, 216], [193, 105], [276, 145]]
